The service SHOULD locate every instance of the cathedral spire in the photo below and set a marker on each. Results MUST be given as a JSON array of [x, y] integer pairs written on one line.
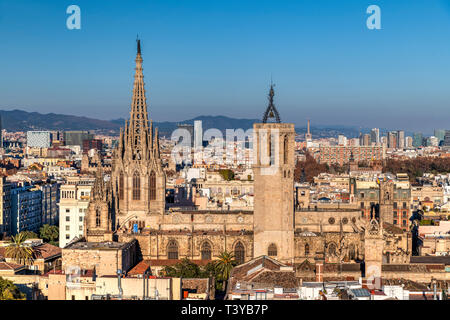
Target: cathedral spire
[[271, 111], [138, 125], [99, 186]]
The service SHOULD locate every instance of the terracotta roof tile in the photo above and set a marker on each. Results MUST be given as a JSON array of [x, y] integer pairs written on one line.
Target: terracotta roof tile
[[10, 266], [139, 268], [46, 250]]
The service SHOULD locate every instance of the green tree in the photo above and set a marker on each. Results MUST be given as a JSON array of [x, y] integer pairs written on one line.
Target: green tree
[[9, 291], [224, 265], [184, 269], [227, 174], [18, 250], [211, 271], [30, 235], [49, 234]]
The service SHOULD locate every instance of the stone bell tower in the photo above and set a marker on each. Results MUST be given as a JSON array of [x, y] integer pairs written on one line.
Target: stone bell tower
[[99, 219], [273, 219], [373, 252], [387, 201]]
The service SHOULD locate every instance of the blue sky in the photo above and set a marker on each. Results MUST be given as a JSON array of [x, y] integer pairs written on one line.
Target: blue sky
[[217, 57]]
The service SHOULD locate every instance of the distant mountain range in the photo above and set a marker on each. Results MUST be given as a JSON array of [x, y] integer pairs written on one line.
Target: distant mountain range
[[18, 120]]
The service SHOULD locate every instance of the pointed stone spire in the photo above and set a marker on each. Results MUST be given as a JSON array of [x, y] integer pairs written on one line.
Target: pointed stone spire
[[138, 125], [156, 143], [98, 191], [271, 111]]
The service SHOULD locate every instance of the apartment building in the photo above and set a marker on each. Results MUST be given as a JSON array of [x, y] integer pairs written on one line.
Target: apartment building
[[5, 207], [26, 209], [74, 201]]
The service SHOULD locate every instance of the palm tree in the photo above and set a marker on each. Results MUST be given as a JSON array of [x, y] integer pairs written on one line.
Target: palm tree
[[19, 251], [224, 265]]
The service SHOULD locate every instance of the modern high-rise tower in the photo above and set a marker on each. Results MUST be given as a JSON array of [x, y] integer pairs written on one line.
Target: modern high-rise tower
[[198, 134]]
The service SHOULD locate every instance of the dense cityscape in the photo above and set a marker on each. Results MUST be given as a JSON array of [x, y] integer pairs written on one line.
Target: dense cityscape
[[259, 213]]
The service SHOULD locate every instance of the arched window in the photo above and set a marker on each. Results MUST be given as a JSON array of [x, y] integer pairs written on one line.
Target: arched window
[[332, 249], [239, 253], [352, 252], [286, 149], [172, 250], [121, 182], [272, 250], [206, 251], [98, 217], [136, 186], [271, 150], [306, 249], [152, 186]]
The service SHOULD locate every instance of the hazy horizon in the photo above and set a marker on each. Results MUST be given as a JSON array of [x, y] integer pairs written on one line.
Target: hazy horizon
[[218, 58]]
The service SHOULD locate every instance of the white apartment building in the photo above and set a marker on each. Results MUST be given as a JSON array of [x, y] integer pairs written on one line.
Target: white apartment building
[[74, 201]]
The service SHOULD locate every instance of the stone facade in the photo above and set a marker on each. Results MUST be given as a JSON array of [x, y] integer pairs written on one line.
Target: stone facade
[[131, 206]]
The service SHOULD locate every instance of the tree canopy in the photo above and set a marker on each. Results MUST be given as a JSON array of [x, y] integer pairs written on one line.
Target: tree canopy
[[9, 291], [49, 234], [227, 174], [18, 250]]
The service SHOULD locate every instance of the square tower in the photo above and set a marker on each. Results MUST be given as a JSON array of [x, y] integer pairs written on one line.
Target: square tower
[[273, 171]]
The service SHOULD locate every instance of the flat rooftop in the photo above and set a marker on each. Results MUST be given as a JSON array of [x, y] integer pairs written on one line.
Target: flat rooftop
[[97, 245]]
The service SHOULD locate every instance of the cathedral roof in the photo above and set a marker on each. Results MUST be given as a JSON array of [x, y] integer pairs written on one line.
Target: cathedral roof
[[392, 228]]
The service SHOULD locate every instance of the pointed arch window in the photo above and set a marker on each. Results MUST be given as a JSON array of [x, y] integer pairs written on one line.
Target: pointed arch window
[[98, 219], [286, 149], [172, 250], [306, 249], [272, 250], [352, 252], [136, 186], [332, 249], [239, 253], [206, 251], [152, 186], [121, 186], [271, 150]]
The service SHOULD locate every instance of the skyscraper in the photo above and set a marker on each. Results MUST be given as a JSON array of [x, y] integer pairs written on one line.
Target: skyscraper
[[75, 138], [447, 138], [375, 136], [392, 140], [408, 142], [198, 134], [440, 134], [400, 139], [367, 140], [417, 139]]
